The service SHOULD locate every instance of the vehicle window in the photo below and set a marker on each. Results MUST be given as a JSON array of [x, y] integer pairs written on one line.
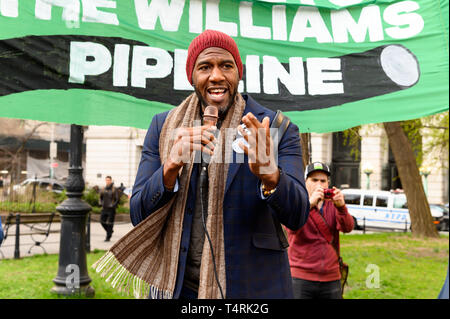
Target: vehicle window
[[400, 202], [436, 208], [368, 200], [382, 201], [43, 185], [57, 187], [352, 199]]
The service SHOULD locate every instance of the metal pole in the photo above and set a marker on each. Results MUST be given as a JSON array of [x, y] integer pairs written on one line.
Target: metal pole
[[368, 181], [34, 194], [88, 234], [73, 277], [17, 246], [425, 184]]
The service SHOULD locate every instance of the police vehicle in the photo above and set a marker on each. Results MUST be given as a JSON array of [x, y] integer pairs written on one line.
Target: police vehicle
[[382, 209]]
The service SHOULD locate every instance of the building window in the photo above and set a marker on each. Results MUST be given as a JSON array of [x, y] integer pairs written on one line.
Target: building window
[[345, 171]]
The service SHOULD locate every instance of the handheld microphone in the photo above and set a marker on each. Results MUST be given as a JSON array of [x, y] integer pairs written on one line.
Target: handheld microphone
[[211, 115]]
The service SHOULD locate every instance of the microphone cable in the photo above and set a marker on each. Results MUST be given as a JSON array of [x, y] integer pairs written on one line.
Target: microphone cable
[[204, 185], [204, 191]]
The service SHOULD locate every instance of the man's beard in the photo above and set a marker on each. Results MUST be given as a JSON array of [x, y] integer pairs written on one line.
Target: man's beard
[[222, 110]]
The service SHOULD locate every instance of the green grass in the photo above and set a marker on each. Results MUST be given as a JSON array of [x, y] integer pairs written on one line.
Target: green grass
[[409, 268], [20, 207], [31, 278]]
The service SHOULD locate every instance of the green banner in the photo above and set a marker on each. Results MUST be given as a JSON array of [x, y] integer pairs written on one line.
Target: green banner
[[328, 64]]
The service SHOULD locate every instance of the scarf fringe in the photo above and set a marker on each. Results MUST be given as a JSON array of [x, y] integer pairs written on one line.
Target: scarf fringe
[[126, 282]]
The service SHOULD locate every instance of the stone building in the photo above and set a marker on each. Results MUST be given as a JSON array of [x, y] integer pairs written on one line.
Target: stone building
[[112, 151], [116, 151], [31, 148]]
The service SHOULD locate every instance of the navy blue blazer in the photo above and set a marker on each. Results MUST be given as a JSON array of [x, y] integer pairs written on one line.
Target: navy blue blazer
[[256, 264]]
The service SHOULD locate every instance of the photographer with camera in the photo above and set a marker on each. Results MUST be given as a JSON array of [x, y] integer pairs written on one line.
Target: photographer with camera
[[314, 258]]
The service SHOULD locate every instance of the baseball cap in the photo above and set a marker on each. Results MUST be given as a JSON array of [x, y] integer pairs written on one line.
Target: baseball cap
[[317, 166]]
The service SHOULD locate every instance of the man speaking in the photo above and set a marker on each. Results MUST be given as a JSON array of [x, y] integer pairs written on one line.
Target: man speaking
[[205, 228]]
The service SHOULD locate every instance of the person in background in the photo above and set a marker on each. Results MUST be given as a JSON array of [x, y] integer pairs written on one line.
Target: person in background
[[121, 188], [109, 200], [313, 259]]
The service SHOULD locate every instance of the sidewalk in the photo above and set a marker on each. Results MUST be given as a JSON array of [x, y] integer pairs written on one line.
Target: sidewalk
[[51, 244]]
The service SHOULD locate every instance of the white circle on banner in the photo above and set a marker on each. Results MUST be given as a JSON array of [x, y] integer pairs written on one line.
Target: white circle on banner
[[400, 65]]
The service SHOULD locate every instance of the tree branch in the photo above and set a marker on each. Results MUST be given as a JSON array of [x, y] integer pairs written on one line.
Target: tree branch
[[435, 127]]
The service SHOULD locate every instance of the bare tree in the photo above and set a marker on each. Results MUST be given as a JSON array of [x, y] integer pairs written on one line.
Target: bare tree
[[13, 154]]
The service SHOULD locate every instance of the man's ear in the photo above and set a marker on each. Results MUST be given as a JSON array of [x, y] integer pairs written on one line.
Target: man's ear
[[193, 80]]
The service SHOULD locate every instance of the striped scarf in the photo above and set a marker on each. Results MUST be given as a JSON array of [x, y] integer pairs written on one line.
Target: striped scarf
[[144, 262]]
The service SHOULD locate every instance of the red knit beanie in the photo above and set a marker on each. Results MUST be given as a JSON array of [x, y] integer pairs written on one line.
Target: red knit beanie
[[209, 39]]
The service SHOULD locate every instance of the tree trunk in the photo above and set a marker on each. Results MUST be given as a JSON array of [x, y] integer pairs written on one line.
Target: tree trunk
[[305, 140], [419, 209]]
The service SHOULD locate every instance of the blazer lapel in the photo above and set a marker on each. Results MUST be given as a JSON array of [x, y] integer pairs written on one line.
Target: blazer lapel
[[250, 106], [232, 171]]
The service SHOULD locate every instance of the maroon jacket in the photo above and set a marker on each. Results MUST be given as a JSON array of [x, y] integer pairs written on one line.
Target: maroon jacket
[[311, 257]]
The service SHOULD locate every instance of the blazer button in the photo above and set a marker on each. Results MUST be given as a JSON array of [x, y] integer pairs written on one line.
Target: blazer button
[[189, 210], [183, 249]]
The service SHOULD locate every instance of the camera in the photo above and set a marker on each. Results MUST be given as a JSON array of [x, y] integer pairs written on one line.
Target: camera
[[328, 193]]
